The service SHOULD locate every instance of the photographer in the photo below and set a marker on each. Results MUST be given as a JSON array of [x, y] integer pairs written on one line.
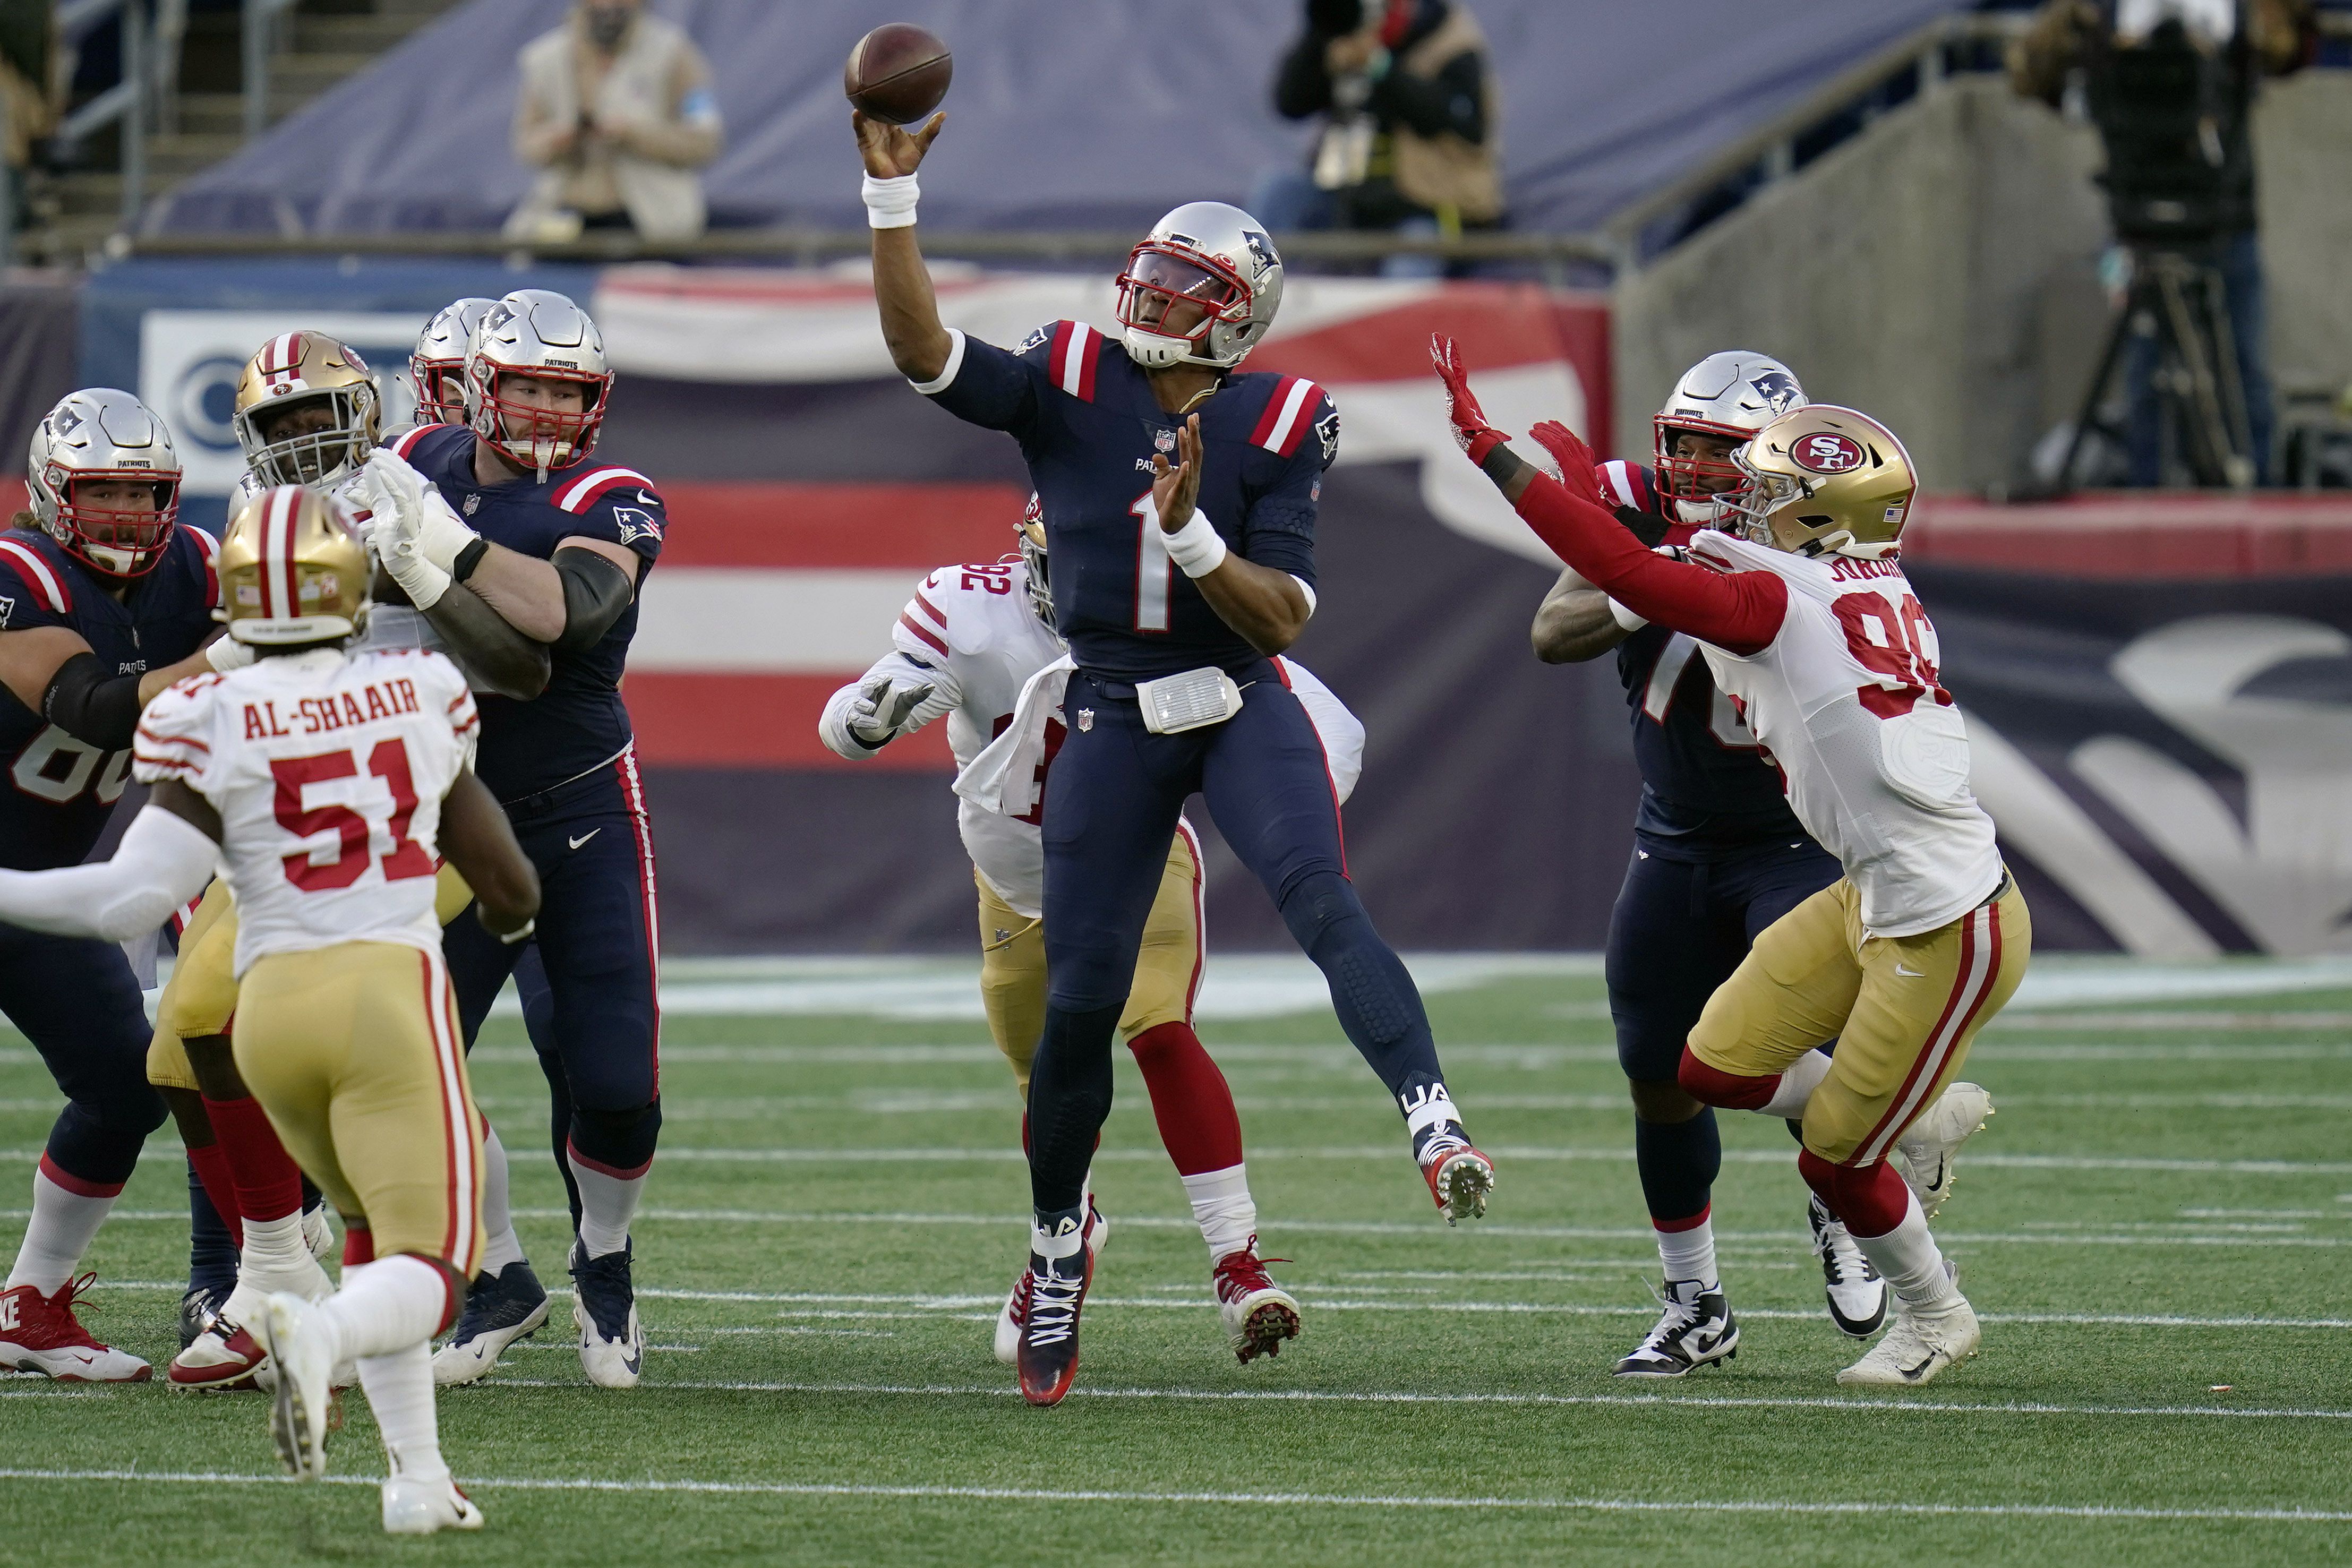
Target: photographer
[[1412, 143], [2171, 84]]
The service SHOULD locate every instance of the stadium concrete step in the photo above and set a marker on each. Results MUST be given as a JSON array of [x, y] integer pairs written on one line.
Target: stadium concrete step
[[171, 159]]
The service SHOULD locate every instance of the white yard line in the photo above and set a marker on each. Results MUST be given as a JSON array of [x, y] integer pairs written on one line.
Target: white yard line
[[1266, 1499]]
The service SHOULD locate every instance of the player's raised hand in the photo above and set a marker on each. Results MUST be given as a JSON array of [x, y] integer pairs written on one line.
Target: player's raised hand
[[1173, 490], [891, 151], [882, 706], [1471, 432], [1576, 463]]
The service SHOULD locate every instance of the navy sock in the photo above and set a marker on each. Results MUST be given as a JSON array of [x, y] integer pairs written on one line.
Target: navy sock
[[1678, 1161], [1069, 1097], [1379, 1006], [212, 1255]]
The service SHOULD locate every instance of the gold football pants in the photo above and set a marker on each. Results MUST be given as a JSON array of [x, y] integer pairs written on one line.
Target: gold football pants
[[1167, 967], [1903, 1010], [200, 998], [355, 1054]]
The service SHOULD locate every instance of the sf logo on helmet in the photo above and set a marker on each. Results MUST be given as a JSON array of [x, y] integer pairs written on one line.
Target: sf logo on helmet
[[1828, 454]]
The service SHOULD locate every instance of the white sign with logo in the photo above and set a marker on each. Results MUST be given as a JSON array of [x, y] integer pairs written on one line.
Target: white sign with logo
[[189, 361]]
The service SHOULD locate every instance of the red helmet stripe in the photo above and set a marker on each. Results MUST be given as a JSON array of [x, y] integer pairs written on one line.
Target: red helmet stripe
[[35, 571]]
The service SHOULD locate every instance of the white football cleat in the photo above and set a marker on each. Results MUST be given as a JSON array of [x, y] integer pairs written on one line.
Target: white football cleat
[[500, 1308], [1259, 1314], [1918, 1347], [318, 1234], [1017, 1301], [297, 1338], [1930, 1145], [415, 1506], [1857, 1296], [1696, 1329], [604, 1310], [40, 1333]]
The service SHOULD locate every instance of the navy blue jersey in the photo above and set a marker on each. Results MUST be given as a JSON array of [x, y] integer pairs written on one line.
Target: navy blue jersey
[[1706, 787], [1087, 421], [60, 791], [579, 722]]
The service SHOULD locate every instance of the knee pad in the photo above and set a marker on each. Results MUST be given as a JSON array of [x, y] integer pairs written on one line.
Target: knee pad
[[1318, 902], [1367, 981], [618, 1140], [1713, 1086]]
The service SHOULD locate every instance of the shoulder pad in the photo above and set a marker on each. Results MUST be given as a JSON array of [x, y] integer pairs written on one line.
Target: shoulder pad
[[170, 741], [42, 579], [1626, 483], [1072, 352], [409, 443], [1293, 406], [579, 493]]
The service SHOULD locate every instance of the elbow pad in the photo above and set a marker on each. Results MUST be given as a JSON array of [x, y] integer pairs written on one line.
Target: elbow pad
[[92, 707], [595, 593]]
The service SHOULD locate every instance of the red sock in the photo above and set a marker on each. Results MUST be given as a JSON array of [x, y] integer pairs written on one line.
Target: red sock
[[269, 1183], [212, 1170], [359, 1245], [1190, 1099]]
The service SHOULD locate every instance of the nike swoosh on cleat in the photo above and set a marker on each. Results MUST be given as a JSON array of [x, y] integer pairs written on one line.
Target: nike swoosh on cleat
[[1937, 1182], [1914, 1374], [584, 838]]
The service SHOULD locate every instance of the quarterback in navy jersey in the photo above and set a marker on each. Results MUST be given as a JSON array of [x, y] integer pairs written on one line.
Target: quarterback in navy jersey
[[1717, 856], [515, 505], [104, 601], [1179, 497]]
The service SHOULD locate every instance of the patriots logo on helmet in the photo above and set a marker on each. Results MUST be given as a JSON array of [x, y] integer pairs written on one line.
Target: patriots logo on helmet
[[636, 525], [1779, 390], [1261, 251], [1827, 453], [66, 421]]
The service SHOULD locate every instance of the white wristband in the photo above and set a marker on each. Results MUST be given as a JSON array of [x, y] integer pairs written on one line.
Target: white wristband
[[891, 203], [1196, 547], [1624, 617]]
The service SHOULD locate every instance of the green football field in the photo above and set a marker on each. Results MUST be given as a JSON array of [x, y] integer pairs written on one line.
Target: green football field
[[2156, 1228]]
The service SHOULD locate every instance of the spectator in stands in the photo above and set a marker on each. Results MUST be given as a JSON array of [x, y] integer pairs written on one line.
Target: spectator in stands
[[27, 103], [1412, 140], [617, 114], [2206, 209]]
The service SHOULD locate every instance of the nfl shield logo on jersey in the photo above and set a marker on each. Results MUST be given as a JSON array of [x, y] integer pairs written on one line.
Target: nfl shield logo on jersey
[[1086, 718], [1164, 441]]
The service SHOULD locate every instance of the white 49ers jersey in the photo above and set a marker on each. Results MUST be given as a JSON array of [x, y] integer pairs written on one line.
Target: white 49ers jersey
[[328, 770], [970, 632], [1846, 699]]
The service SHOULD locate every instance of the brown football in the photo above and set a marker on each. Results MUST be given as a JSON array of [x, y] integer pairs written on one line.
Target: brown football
[[898, 72]]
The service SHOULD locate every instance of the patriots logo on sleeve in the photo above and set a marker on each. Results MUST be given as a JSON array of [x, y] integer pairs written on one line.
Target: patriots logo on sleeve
[[1036, 339], [636, 525], [1326, 431], [7, 610]]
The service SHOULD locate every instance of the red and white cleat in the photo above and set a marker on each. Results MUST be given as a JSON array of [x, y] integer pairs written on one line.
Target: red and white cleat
[[1017, 1301], [40, 1333], [1259, 1314], [1459, 1176], [223, 1358]]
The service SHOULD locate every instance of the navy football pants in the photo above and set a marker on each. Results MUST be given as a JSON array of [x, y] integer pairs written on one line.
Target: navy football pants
[[598, 934], [1111, 804], [78, 1002]]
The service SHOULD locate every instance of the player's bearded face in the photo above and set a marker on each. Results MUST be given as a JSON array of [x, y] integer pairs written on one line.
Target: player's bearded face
[[536, 410], [1710, 470], [125, 514]]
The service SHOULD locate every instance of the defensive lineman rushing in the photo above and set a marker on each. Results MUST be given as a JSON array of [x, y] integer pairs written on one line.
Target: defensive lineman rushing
[[1807, 621], [1716, 858], [326, 783], [104, 601], [1175, 581], [969, 641]]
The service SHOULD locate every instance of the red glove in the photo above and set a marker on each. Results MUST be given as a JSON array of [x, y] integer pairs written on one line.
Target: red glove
[[1576, 461], [1471, 432]]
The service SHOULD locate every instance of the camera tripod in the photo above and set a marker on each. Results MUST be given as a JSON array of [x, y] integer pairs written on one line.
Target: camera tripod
[[2177, 300]]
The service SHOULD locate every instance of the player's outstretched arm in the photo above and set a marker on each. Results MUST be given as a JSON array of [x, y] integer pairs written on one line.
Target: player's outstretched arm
[[919, 344], [481, 843], [1268, 608], [165, 859]]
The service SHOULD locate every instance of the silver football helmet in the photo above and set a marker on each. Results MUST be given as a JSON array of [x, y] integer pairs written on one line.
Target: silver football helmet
[[1729, 397], [1208, 257], [539, 335], [100, 435], [437, 364]]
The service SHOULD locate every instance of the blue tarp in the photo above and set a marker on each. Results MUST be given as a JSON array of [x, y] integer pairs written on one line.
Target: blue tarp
[[1063, 116]]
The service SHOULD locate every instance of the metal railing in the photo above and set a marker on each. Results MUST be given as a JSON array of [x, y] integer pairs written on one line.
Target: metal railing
[[126, 104], [260, 41]]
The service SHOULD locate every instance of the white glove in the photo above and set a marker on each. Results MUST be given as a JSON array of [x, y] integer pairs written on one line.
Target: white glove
[[882, 704], [441, 535], [225, 653], [391, 535]]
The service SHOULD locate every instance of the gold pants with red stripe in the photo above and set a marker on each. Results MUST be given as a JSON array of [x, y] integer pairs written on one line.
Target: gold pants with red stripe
[[355, 1053], [200, 997], [1167, 967], [1903, 1010]]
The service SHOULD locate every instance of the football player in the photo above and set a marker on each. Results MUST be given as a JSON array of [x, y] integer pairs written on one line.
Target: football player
[[104, 601], [966, 643], [437, 364], [1716, 858], [514, 507], [1180, 494], [327, 782], [307, 411], [1808, 624]]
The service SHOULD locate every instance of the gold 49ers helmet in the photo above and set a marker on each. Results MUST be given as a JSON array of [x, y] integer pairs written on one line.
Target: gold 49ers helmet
[[293, 570], [1826, 480], [307, 411]]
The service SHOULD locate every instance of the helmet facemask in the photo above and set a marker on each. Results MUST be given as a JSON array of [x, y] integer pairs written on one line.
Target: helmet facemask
[[529, 434], [318, 456], [1031, 532], [107, 536], [440, 391], [1161, 279], [1700, 490]]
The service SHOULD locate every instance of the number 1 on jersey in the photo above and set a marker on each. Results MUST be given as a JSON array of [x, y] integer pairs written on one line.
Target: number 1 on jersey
[[1155, 568]]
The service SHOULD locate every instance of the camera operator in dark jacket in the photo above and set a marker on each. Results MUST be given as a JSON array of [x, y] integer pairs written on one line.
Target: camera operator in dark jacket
[[2171, 84], [1411, 142]]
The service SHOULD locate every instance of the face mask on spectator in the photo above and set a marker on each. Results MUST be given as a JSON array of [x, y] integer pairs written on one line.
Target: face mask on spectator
[[607, 24]]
